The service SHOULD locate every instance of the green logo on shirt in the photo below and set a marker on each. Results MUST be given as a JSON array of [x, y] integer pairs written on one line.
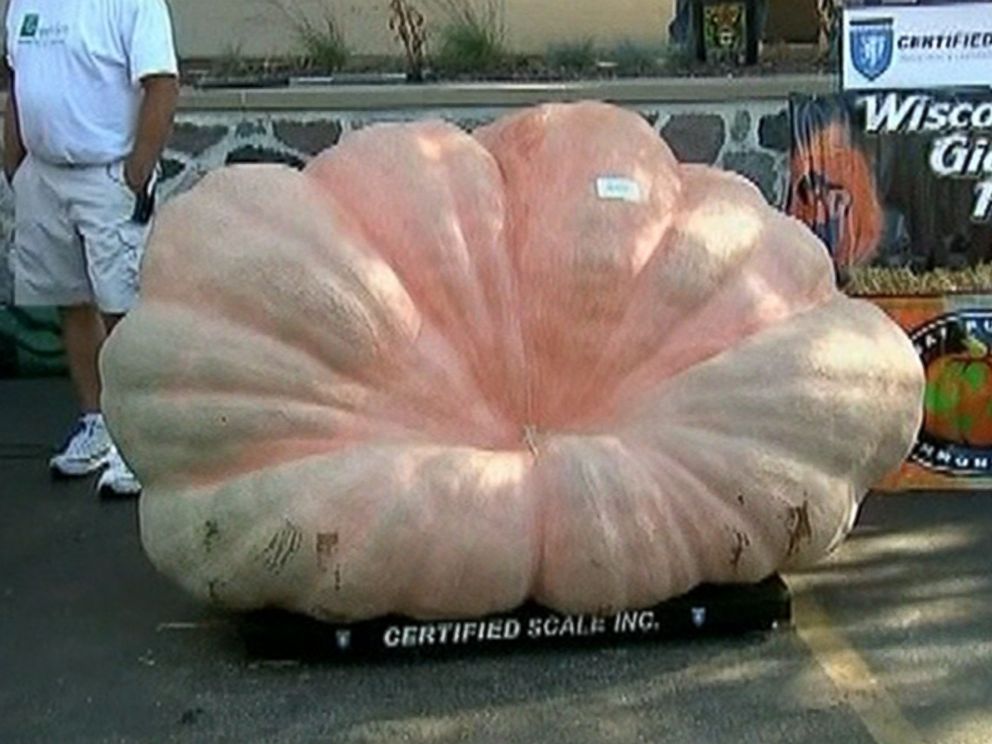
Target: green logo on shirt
[[30, 26]]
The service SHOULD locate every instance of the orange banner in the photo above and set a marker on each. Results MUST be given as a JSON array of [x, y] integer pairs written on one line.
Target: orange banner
[[953, 336]]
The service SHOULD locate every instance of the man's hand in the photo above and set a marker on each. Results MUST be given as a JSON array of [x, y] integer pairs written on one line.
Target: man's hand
[[158, 106], [135, 179]]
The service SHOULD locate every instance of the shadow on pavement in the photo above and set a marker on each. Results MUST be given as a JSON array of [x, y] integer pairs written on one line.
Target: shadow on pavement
[[912, 591], [95, 646]]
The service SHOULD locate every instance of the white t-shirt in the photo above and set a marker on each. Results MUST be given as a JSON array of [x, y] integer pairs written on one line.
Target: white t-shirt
[[78, 66]]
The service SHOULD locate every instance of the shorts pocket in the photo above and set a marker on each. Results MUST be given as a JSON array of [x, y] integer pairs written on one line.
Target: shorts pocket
[[115, 267], [140, 206], [115, 173]]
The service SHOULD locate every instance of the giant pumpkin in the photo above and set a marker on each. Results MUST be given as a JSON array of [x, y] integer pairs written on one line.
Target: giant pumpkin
[[437, 375]]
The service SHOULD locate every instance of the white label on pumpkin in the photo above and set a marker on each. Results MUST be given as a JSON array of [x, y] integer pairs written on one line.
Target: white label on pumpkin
[[614, 188]]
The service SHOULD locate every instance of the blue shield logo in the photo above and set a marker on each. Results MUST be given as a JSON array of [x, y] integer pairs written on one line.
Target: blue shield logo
[[872, 42]]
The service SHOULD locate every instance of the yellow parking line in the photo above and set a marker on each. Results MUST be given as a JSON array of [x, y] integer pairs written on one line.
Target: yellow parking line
[[851, 675]]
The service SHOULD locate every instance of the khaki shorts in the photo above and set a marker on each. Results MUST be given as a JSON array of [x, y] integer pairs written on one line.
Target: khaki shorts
[[75, 242]]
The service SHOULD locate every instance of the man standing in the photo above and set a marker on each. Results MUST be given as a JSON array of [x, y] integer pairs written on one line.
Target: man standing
[[92, 97]]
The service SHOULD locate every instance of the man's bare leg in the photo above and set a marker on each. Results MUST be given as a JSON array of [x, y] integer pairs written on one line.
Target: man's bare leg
[[117, 480], [89, 448], [83, 333]]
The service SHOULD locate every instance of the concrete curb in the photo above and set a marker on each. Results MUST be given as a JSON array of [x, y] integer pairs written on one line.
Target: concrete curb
[[456, 95]]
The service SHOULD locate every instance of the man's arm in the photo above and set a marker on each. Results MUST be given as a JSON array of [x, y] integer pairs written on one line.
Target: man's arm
[[13, 145], [158, 107]]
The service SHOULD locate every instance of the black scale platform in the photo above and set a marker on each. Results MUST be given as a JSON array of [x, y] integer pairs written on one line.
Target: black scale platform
[[706, 611]]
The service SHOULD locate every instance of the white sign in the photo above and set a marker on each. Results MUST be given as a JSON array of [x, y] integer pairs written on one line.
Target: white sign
[[917, 46], [615, 188]]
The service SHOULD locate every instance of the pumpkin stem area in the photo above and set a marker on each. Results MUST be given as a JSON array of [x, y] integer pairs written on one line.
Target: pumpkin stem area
[[530, 438], [976, 349]]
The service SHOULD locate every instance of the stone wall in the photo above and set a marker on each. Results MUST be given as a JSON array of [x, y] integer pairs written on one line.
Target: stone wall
[[749, 137]]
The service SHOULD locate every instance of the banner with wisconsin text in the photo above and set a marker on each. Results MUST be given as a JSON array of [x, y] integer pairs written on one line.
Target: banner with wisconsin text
[[898, 185]]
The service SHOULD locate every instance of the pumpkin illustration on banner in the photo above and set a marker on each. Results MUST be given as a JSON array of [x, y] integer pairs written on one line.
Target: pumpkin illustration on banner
[[438, 375], [834, 192], [959, 395]]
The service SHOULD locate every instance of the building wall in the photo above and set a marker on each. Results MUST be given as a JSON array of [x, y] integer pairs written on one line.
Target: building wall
[[207, 28], [531, 26]]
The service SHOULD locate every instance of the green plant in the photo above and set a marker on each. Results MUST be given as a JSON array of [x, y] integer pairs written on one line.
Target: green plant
[[573, 56], [231, 61], [633, 59], [321, 40], [677, 56], [408, 25], [472, 35]]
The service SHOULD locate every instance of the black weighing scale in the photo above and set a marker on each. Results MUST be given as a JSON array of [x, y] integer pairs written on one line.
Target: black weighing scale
[[705, 612]]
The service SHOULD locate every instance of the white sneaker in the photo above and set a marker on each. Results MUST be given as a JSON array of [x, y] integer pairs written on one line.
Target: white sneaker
[[86, 450], [117, 481]]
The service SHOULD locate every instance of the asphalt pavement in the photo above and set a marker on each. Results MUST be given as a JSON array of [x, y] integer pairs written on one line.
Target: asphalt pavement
[[891, 643]]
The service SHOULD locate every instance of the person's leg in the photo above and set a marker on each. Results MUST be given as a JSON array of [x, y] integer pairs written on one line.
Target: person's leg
[[88, 448], [103, 209], [83, 333], [118, 480], [49, 270]]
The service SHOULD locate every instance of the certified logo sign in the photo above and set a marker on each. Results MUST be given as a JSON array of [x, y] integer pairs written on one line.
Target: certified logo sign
[[872, 42]]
